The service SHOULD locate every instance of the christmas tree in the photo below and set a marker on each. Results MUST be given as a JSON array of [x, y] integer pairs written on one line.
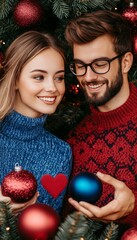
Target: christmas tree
[[18, 16], [75, 227]]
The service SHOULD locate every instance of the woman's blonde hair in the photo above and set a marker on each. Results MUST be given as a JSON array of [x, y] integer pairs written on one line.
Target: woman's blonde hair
[[18, 54]]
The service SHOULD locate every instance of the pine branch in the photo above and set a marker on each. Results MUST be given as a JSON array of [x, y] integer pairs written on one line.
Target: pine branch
[[8, 26], [110, 4], [88, 5], [79, 7], [6, 6], [68, 9], [60, 9], [110, 233], [8, 229], [76, 226]]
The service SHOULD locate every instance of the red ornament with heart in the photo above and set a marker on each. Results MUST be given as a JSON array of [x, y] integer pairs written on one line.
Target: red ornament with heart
[[54, 185]]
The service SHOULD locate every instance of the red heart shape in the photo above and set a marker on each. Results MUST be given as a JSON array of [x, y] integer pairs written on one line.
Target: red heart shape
[[54, 185]]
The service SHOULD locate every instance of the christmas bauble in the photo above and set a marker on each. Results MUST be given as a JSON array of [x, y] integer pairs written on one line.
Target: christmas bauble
[[27, 12], [130, 234], [39, 222], [85, 187], [20, 185], [130, 13]]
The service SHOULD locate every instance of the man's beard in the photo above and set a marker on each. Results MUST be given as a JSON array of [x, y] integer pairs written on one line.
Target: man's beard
[[109, 93]]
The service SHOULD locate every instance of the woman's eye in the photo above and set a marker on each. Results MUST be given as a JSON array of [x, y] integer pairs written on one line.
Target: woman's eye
[[38, 77], [61, 78]]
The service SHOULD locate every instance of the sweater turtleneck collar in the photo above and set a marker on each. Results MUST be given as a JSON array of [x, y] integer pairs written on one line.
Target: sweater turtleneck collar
[[119, 115], [20, 127]]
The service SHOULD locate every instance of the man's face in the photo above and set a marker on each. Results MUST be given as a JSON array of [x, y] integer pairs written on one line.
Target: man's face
[[99, 88]]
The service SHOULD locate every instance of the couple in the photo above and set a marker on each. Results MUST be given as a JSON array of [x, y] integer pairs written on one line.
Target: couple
[[104, 142]]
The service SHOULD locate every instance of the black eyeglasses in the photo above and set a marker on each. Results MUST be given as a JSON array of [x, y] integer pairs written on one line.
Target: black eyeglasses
[[99, 65]]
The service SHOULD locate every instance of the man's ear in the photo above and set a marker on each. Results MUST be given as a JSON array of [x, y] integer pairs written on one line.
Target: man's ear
[[127, 62]]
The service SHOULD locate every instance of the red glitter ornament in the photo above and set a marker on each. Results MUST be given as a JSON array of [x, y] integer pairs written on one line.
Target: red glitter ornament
[[130, 234], [38, 221], [27, 12], [130, 13], [20, 185]]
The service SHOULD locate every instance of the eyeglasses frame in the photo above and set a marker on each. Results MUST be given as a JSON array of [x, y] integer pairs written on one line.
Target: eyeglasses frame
[[97, 59]]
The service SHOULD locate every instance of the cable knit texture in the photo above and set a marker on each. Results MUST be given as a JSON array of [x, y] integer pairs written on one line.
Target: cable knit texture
[[25, 141], [107, 142]]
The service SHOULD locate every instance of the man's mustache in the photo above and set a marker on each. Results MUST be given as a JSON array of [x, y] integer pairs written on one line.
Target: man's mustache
[[93, 82]]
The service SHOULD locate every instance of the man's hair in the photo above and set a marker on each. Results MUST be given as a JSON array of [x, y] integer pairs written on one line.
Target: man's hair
[[90, 26]]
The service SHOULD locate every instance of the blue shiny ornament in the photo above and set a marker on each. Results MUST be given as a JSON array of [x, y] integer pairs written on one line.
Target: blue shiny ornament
[[85, 187]]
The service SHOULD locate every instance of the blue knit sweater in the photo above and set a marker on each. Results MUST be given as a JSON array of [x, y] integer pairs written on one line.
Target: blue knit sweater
[[25, 141]]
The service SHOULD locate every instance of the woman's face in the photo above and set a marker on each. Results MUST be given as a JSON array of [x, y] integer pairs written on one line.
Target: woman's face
[[41, 85]]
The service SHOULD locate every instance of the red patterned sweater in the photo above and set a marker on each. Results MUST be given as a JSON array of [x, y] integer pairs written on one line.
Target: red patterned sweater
[[107, 142]]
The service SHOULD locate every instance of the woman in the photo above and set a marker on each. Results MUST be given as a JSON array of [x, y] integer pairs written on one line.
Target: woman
[[31, 87]]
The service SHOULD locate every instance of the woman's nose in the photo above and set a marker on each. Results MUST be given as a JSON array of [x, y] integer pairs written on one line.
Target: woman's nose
[[49, 85]]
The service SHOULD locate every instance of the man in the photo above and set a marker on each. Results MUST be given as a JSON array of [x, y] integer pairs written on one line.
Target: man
[[105, 142]]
